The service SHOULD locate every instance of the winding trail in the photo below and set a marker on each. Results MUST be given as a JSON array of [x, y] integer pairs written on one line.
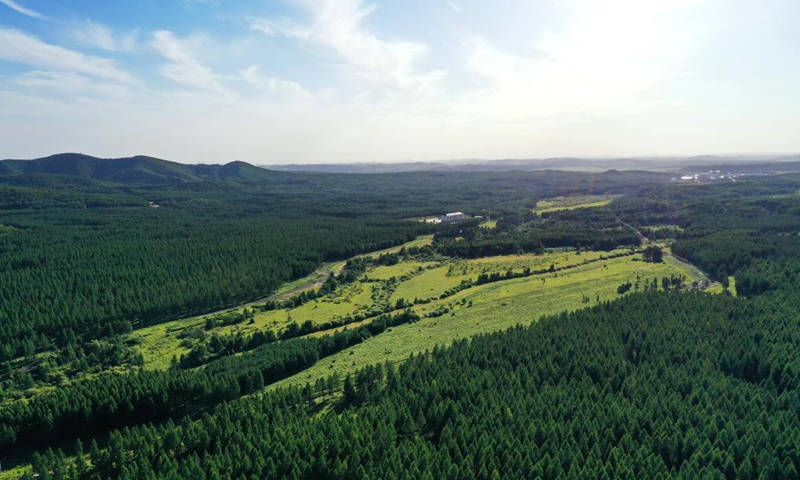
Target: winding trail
[[705, 281]]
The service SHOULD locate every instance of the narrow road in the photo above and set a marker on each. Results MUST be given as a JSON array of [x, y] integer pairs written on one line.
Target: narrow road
[[704, 283], [642, 239]]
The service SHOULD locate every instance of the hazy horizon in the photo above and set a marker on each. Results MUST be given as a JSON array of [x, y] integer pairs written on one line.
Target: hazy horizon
[[644, 159], [359, 81]]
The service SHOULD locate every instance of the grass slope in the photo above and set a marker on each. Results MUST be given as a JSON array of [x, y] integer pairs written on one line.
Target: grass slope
[[494, 306], [570, 203], [159, 343]]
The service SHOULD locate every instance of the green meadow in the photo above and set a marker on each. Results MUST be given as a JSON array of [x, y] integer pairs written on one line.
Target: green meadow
[[495, 306], [577, 280], [570, 203]]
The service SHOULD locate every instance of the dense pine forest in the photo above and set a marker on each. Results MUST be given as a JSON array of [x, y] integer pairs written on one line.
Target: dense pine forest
[[88, 259], [659, 383]]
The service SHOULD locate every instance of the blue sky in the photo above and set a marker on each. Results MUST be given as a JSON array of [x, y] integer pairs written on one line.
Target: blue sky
[[281, 81]]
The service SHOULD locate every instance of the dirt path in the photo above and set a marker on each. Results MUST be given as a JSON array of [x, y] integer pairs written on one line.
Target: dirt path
[[703, 281], [642, 239]]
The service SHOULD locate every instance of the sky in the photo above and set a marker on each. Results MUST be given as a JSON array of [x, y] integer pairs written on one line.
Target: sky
[[322, 81]]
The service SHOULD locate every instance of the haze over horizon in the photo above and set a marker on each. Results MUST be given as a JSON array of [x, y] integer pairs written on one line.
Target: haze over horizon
[[302, 81]]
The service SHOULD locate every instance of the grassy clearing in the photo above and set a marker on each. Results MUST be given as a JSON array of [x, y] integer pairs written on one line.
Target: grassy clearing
[[489, 224], [434, 282], [692, 273], [308, 282], [351, 299], [671, 228], [419, 242], [718, 288], [493, 307], [159, 343], [397, 271], [15, 472], [429, 280], [558, 259], [570, 203], [429, 284]]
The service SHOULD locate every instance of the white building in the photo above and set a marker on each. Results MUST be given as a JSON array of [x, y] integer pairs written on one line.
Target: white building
[[453, 217]]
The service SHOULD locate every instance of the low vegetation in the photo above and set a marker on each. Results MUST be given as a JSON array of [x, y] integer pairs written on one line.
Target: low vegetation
[[573, 202]]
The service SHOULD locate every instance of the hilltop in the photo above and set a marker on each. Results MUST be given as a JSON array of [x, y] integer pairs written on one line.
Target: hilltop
[[137, 170]]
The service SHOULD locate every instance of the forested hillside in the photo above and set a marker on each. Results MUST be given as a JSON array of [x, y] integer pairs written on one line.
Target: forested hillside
[[613, 392], [139, 170]]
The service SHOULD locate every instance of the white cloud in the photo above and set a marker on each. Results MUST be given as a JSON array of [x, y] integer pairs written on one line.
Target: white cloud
[[274, 85], [604, 57], [97, 35], [25, 11], [572, 77], [337, 27], [62, 81], [250, 76], [453, 6], [72, 83], [16, 46], [185, 68]]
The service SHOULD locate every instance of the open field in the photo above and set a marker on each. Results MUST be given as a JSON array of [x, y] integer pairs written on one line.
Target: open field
[[159, 343], [398, 270], [417, 243], [434, 282], [694, 273], [492, 307], [570, 203], [672, 228], [308, 282], [429, 284], [489, 224], [423, 280], [718, 288], [15, 472], [321, 274]]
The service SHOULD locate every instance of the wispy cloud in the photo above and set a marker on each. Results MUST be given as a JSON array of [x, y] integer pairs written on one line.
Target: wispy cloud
[[73, 84], [184, 67], [453, 6], [16, 46], [25, 11], [607, 53], [97, 35], [273, 85], [337, 27]]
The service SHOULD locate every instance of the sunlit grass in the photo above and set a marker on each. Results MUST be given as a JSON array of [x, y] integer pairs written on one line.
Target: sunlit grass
[[494, 307], [570, 203]]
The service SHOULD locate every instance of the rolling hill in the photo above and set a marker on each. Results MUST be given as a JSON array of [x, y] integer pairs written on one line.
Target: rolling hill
[[138, 170]]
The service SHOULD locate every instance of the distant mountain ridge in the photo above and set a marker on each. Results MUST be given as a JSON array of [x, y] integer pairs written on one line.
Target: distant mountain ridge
[[150, 171], [138, 170], [782, 165], [658, 164]]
